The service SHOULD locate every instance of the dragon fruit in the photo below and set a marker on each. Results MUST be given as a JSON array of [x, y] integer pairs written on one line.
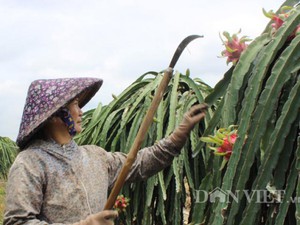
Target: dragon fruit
[[234, 47], [121, 203], [279, 19], [226, 148], [295, 33], [222, 142]]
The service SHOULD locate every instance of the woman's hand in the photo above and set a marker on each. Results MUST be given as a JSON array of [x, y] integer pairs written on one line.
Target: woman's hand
[[190, 119], [105, 217]]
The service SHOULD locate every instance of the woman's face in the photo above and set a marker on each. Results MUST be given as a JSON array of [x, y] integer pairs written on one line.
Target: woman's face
[[76, 114]]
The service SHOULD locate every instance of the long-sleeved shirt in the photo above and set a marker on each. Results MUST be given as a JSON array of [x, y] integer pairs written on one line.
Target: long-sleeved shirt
[[53, 184]]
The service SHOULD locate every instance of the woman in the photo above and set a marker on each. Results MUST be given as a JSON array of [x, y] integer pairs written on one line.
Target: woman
[[55, 181]]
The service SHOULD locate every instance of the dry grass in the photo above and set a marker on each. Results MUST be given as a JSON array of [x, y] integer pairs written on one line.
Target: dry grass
[[2, 198], [187, 205]]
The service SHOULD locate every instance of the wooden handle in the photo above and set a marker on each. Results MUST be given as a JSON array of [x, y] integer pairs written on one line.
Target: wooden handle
[[139, 139]]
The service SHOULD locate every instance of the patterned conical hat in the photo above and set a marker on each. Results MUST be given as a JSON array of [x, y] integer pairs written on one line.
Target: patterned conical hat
[[45, 97]]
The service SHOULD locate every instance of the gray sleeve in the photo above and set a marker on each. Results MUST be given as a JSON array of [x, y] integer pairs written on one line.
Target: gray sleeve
[[149, 161], [24, 193]]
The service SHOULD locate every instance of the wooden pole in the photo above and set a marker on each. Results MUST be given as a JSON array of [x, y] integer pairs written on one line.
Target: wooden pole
[[139, 139]]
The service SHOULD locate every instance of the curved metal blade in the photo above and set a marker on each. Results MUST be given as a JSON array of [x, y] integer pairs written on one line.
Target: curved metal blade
[[181, 47]]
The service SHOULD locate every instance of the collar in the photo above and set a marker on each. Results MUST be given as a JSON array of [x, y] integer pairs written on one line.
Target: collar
[[68, 150]]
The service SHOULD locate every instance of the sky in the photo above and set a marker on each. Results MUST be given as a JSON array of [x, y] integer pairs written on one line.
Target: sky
[[116, 40]]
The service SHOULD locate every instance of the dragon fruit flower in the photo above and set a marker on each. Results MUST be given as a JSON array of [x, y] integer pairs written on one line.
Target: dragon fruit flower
[[234, 47], [121, 203]]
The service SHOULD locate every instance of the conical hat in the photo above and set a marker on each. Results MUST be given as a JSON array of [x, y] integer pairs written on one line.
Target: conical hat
[[46, 96]]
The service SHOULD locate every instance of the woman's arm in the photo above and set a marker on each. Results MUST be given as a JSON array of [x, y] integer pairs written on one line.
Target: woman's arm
[[153, 159]]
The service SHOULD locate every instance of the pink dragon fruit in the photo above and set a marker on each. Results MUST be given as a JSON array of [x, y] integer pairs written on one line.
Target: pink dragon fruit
[[234, 47], [121, 203], [279, 19], [297, 30], [223, 142], [295, 33], [226, 148]]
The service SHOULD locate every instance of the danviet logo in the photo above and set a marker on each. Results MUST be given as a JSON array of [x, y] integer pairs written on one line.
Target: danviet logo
[[228, 196]]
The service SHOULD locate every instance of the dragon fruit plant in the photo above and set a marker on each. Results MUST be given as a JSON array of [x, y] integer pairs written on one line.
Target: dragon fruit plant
[[115, 126], [260, 94]]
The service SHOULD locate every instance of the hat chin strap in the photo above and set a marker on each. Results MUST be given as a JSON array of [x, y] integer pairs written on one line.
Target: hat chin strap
[[66, 117]]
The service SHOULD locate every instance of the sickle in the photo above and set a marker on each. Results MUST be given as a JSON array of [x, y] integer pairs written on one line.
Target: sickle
[[146, 124]]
